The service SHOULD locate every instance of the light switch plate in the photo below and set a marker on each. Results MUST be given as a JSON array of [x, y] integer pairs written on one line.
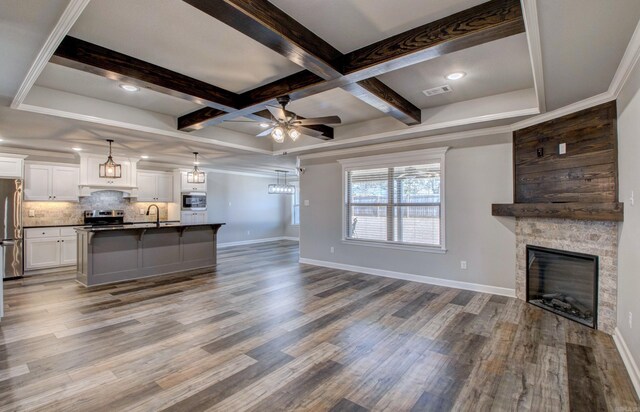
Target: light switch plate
[[562, 148], [32, 213], [306, 202]]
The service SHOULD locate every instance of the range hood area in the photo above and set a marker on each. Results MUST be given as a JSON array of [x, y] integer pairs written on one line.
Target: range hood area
[[90, 180]]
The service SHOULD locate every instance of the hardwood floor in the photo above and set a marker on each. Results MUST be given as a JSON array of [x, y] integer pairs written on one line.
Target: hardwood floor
[[266, 333]]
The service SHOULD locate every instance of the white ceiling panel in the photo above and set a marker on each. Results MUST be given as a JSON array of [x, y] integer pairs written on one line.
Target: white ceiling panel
[[24, 27], [492, 68], [177, 36], [351, 24], [90, 85]]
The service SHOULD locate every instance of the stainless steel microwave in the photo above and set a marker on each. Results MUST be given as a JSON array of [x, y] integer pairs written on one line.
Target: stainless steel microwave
[[194, 201]]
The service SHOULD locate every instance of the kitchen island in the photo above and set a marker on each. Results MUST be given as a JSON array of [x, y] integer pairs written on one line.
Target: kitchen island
[[114, 254]]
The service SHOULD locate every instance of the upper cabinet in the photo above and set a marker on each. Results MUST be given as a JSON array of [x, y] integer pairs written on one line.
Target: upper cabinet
[[192, 187], [11, 166], [155, 186], [91, 181], [46, 182]]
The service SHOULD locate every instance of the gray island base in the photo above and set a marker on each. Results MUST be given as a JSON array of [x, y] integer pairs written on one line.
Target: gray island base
[[108, 255]]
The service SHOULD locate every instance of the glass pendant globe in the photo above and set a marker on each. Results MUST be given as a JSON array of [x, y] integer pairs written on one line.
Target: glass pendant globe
[[278, 134]]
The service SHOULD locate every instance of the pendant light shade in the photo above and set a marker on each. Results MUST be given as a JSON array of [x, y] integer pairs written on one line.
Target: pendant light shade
[[278, 134], [110, 169], [195, 176], [281, 189]]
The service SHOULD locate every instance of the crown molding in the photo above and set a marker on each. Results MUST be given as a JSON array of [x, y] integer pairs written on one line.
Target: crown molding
[[530, 16], [627, 64], [62, 27], [131, 126], [410, 142]]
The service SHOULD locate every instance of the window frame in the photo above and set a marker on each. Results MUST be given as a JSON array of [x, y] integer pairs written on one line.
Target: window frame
[[295, 201], [415, 157]]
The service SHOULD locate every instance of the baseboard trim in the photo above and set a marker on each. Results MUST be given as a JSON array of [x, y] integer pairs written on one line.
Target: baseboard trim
[[254, 241], [629, 362], [476, 287]]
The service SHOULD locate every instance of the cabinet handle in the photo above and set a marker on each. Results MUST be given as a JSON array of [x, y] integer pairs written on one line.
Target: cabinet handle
[[54, 197], [62, 241], [43, 233]]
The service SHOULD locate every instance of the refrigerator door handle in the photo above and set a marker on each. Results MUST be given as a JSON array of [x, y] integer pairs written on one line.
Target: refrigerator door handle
[[7, 243]]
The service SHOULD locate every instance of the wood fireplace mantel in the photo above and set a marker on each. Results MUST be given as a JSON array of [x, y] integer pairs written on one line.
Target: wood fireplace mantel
[[579, 211]]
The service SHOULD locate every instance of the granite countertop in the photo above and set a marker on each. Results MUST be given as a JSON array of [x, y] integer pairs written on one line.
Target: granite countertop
[[145, 225], [83, 225]]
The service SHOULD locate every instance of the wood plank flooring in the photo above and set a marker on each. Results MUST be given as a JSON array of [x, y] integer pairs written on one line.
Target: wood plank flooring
[[262, 332]]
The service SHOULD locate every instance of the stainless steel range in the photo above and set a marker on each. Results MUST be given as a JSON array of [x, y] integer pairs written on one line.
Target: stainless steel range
[[104, 217]]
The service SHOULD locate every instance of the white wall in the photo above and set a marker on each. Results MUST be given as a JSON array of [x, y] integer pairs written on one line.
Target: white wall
[[475, 178], [629, 231], [242, 202]]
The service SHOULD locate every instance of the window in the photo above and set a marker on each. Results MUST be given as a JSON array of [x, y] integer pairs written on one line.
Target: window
[[395, 200], [295, 205]]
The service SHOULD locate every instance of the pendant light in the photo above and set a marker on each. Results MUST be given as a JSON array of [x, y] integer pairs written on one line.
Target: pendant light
[[195, 176], [281, 189], [110, 169]]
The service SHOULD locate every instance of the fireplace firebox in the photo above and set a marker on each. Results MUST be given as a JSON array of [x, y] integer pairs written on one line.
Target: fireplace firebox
[[562, 282]]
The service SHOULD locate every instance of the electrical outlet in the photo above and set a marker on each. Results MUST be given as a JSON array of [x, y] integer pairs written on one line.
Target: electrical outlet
[[141, 211], [630, 320], [631, 199], [32, 213], [306, 202], [332, 249], [540, 152], [463, 264], [248, 232]]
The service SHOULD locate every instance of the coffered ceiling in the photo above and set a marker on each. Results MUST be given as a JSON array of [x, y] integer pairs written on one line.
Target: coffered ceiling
[[569, 51]]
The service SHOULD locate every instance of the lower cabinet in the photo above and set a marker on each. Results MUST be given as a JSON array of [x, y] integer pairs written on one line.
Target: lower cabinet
[[49, 247], [193, 218]]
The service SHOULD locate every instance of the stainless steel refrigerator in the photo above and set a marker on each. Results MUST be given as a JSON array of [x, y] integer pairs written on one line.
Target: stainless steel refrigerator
[[11, 228]]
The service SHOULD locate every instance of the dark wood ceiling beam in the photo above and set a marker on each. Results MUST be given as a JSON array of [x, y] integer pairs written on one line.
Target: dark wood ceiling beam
[[385, 99], [88, 57], [489, 21], [271, 27], [486, 22]]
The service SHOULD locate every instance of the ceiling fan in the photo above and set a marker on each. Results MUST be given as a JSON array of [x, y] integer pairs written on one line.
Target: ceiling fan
[[285, 123]]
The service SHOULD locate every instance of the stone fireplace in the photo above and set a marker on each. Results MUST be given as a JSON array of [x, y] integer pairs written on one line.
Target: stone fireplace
[[599, 238]]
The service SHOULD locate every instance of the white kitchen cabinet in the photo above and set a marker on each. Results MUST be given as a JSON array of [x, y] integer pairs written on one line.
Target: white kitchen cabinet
[[68, 250], [49, 247], [193, 218], [45, 182], [42, 253], [155, 186], [11, 166], [192, 187], [90, 172]]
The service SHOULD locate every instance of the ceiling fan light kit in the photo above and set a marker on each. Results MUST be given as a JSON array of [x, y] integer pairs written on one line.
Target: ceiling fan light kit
[[110, 169], [195, 175], [281, 189]]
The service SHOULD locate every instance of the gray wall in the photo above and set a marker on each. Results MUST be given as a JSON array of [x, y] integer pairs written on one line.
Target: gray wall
[[243, 203], [629, 230], [475, 178]]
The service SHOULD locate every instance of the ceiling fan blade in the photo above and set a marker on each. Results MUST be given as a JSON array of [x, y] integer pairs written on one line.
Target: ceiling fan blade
[[309, 132], [319, 120], [278, 113], [266, 132]]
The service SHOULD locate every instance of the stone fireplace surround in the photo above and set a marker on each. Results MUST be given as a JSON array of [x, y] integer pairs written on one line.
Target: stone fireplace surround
[[592, 237]]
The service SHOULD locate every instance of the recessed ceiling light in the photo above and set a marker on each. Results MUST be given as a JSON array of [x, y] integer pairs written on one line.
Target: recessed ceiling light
[[129, 87], [144, 157], [77, 149], [264, 124], [455, 75]]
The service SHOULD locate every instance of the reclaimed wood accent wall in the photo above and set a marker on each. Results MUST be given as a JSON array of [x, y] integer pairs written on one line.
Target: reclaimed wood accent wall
[[587, 173]]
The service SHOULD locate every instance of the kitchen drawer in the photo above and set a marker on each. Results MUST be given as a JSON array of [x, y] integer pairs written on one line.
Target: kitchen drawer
[[67, 231], [44, 232]]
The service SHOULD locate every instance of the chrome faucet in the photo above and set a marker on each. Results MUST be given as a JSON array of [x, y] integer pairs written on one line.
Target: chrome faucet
[[157, 213]]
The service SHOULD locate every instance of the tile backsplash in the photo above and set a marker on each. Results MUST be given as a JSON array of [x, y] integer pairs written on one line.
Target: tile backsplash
[[70, 213]]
